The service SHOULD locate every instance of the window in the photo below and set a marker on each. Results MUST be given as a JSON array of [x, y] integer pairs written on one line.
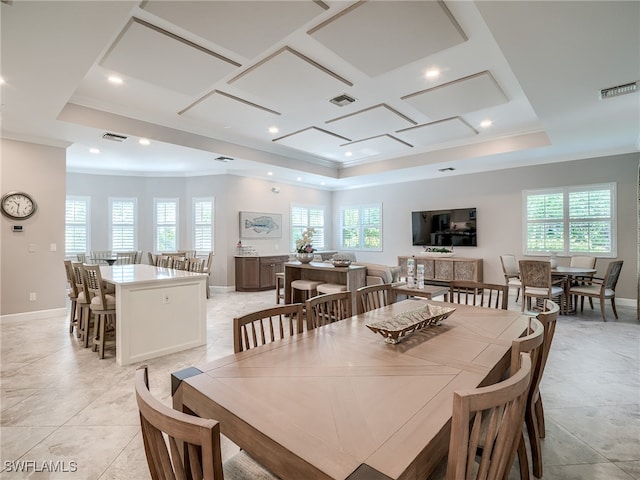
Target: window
[[123, 224], [203, 224], [571, 220], [76, 225], [166, 224], [361, 228], [303, 217]]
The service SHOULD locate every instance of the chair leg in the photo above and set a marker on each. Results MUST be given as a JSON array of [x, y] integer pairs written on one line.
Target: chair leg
[[72, 316], [534, 440], [604, 317], [86, 326], [613, 307], [540, 417], [523, 459]]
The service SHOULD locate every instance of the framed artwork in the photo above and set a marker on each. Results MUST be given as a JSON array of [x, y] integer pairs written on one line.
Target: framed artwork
[[260, 225]]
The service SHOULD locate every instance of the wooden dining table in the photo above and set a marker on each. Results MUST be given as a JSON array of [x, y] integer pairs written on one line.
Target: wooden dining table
[[567, 274], [338, 402]]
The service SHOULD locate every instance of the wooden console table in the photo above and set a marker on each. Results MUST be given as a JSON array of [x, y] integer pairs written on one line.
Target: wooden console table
[[443, 270]]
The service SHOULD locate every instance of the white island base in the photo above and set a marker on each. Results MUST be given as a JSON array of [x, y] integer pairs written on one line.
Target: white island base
[[158, 311]]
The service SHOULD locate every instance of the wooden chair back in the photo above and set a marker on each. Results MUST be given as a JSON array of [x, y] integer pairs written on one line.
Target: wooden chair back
[[180, 263], [152, 259], [164, 261], [374, 296], [328, 308], [126, 258], [267, 325], [612, 274], [198, 265], [83, 293], [501, 408], [92, 280], [191, 449], [585, 261], [480, 294], [71, 280], [509, 266], [96, 255], [537, 282], [81, 257]]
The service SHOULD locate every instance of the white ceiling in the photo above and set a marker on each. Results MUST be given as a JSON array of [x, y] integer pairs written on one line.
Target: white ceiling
[[203, 79]]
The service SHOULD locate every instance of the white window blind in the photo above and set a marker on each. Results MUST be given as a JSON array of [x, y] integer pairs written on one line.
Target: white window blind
[[203, 224], [76, 225], [571, 220], [361, 227], [166, 224], [303, 217], [123, 224]]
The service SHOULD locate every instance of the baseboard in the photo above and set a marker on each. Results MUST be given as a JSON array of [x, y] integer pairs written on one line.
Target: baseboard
[[222, 289], [29, 316]]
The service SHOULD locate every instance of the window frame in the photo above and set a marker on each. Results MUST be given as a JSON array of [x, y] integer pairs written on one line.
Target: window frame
[[195, 224], [134, 226], [361, 227], [87, 224], [156, 225], [566, 220], [320, 231]]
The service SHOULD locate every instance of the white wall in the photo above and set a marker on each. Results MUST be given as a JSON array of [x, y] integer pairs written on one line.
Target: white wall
[[40, 171], [498, 197]]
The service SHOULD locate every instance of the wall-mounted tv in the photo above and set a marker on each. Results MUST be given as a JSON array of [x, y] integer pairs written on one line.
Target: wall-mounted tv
[[444, 228]]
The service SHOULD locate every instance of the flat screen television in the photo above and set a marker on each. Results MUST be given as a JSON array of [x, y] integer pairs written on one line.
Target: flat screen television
[[444, 228]]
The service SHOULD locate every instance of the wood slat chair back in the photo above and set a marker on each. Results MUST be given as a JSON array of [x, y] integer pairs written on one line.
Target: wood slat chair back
[[267, 325], [152, 259], [96, 255], [73, 296], [126, 258], [191, 450], [328, 308], [537, 283], [198, 265], [180, 263], [501, 408], [103, 306], [602, 288], [490, 295], [164, 261], [374, 296]]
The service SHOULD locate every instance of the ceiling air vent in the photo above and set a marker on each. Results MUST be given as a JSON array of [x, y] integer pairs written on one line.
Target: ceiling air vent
[[447, 169], [224, 159], [342, 100], [619, 90], [114, 137]]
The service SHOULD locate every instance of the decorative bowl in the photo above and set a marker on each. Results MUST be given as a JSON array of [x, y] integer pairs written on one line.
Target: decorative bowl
[[341, 262], [439, 254], [400, 325]]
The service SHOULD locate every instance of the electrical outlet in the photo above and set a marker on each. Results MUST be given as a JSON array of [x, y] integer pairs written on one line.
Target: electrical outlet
[[32, 296], [165, 298]]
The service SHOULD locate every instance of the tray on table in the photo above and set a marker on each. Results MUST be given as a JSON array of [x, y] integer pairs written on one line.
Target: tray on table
[[410, 321]]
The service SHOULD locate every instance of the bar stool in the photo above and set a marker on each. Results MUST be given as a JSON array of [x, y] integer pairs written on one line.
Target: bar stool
[[331, 288], [308, 287], [279, 286]]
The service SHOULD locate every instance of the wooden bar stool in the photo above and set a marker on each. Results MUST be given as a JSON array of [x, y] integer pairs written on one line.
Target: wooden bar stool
[[308, 287], [331, 288], [279, 286]]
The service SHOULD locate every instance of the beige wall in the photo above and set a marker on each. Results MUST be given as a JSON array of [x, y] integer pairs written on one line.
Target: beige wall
[[40, 171]]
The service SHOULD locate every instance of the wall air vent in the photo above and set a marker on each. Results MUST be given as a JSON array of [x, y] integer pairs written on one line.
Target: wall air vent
[[619, 90], [342, 100], [114, 137], [224, 159]]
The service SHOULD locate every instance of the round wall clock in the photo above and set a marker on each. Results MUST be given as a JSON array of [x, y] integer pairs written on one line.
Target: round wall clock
[[18, 205]]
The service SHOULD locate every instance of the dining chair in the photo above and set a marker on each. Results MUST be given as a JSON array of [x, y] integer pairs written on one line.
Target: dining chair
[[125, 258], [207, 270], [511, 273], [182, 446], [164, 261], [97, 255], [328, 308], [537, 283], [152, 259], [138, 258], [585, 261], [197, 265], [480, 294], [602, 288], [266, 326], [371, 297], [279, 287], [73, 297], [83, 304], [180, 263], [103, 306], [500, 407], [531, 343]]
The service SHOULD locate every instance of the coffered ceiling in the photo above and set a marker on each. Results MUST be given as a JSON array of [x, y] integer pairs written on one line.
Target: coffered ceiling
[[253, 81]]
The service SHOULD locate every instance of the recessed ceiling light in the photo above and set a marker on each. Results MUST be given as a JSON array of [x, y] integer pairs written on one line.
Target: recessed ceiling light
[[299, 179], [348, 154], [322, 183], [144, 141], [115, 80], [94, 150], [432, 73], [273, 130], [486, 123], [270, 173]]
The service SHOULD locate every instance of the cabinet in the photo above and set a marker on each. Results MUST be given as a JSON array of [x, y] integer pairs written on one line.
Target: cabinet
[[258, 273], [443, 270]]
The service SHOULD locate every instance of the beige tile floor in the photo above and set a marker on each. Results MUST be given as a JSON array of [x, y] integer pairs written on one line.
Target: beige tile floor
[[63, 408]]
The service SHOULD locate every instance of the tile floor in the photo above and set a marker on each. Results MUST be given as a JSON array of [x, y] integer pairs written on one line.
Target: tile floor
[[64, 409]]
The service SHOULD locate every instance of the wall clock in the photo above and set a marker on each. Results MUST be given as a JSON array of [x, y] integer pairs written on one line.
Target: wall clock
[[18, 205]]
